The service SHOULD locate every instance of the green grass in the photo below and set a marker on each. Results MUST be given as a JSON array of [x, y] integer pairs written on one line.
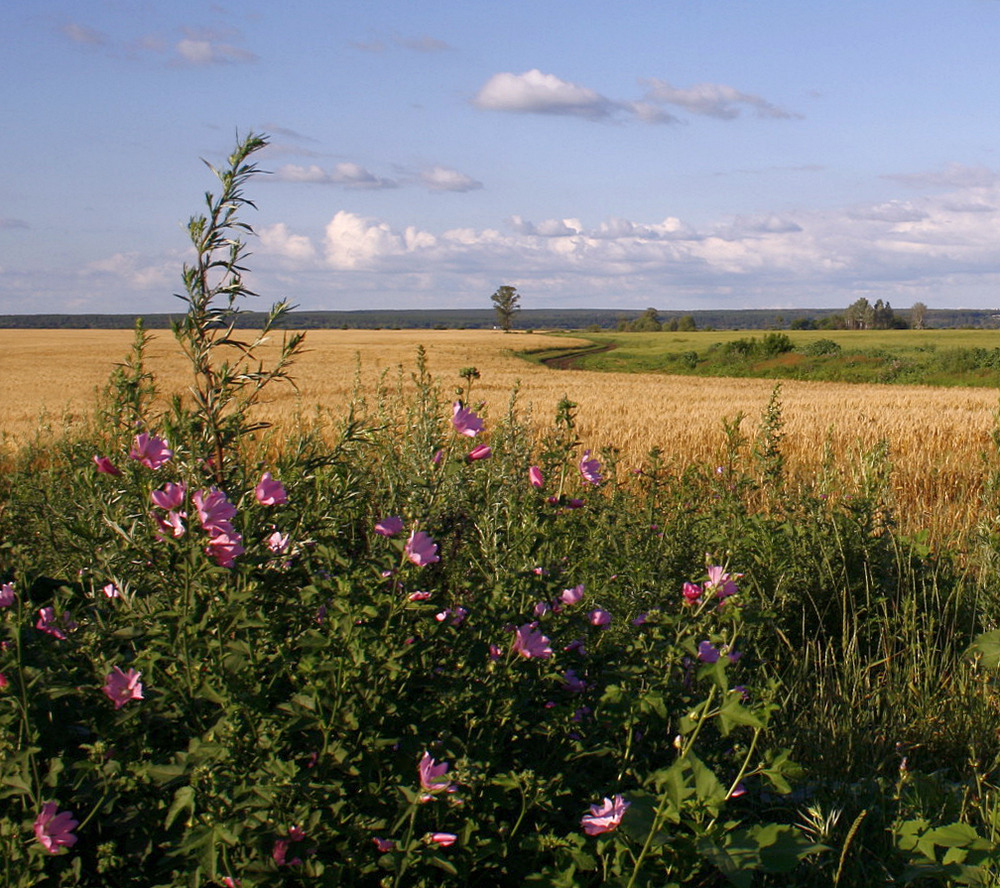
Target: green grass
[[918, 357]]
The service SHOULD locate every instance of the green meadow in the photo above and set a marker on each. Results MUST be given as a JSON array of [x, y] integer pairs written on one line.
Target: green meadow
[[932, 357]]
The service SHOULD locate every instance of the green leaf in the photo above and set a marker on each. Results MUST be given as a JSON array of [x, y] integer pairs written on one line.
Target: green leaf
[[163, 774], [732, 712], [987, 648], [183, 801], [707, 786], [442, 864], [954, 835]]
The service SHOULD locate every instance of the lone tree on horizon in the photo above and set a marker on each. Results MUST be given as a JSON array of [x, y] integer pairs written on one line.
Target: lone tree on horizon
[[507, 302]]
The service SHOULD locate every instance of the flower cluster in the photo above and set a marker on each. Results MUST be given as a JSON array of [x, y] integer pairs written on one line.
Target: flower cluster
[[215, 512]]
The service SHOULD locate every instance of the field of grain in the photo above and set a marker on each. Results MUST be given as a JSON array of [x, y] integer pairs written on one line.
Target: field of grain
[[936, 435]]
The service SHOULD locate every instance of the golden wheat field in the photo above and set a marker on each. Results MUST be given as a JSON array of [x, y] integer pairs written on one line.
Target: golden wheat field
[[936, 435]]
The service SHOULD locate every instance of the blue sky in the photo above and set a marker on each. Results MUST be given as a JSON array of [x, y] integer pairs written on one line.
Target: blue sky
[[680, 154]]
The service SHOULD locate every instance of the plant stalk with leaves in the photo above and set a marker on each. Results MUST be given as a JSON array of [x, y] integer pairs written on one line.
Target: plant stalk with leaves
[[226, 387]]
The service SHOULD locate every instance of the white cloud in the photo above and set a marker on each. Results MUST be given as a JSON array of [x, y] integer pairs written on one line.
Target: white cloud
[[135, 270], [83, 35], [354, 175], [200, 51], [713, 100], [277, 240], [969, 206], [894, 211], [905, 250], [954, 175], [348, 174], [534, 92], [743, 226], [353, 242], [441, 178], [537, 93]]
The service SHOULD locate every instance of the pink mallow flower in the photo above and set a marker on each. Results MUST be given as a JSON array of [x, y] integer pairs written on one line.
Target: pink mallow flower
[[54, 829], [169, 497], [214, 510], [465, 421], [604, 817], [389, 526], [120, 687], [112, 591], [150, 451], [7, 595], [269, 492], [483, 451], [432, 776], [421, 549], [225, 548], [721, 583], [599, 617], [47, 623], [442, 839], [171, 524], [571, 596], [280, 853], [590, 469], [383, 845], [530, 643], [535, 478], [105, 466], [278, 543], [692, 592]]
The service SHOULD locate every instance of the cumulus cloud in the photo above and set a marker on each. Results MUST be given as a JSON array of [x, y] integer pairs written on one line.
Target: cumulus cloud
[[198, 52], [713, 100], [748, 226], [353, 242], [441, 178], [898, 248], [137, 271], [894, 212], [350, 175], [277, 240], [83, 35], [968, 206], [536, 93], [938, 250], [954, 175]]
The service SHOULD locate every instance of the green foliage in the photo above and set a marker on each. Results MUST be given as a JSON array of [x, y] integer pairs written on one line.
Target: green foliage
[[821, 347], [885, 356], [506, 303], [224, 388]]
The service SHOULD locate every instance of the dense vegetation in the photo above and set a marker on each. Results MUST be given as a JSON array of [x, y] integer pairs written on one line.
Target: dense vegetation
[[927, 357], [426, 648], [527, 319]]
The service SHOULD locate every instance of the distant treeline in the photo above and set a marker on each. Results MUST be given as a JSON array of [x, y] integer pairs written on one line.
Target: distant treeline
[[485, 318]]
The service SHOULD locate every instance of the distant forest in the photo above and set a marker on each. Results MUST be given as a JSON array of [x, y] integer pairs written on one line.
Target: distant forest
[[527, 319]]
